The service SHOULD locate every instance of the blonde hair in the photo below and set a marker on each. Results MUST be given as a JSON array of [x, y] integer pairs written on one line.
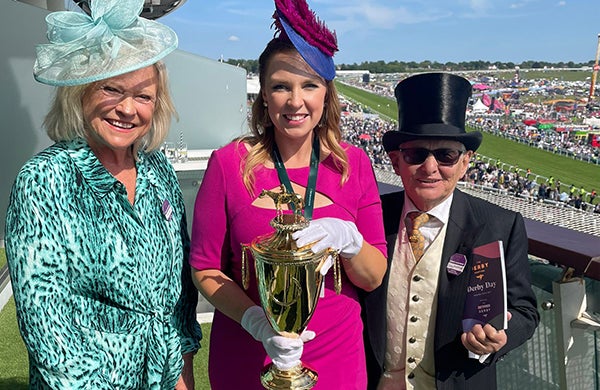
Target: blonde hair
[[262, 135], [65, 120]]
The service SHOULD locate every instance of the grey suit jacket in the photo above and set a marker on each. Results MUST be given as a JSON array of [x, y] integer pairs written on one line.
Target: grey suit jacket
[[472, 222]]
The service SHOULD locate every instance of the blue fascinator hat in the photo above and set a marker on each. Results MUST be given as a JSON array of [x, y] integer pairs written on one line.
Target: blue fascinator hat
[[313, 40], [112, 41]]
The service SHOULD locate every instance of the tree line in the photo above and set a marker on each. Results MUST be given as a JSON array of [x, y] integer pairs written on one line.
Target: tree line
[[251, 66]]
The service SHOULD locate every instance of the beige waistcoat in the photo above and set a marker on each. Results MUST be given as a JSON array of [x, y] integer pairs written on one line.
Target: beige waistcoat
[[411, 310]]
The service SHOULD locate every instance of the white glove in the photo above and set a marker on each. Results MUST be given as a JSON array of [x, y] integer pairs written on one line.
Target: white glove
[[334, 233], [285, 352]]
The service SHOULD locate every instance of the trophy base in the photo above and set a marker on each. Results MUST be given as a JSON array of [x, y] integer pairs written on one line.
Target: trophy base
[[297, 378]]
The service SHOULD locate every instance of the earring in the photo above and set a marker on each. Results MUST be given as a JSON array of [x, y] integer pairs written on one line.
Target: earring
[[323, 120], [266, 117], [265, 104]]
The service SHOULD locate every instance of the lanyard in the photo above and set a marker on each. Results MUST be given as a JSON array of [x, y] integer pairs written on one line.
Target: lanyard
[[309, 199]]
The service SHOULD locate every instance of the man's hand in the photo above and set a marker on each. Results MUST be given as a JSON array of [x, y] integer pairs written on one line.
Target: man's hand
[[484, 340]]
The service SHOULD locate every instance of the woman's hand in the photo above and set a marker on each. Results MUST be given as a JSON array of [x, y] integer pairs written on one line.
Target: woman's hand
[[335, 233], [186, 380], [285, 352]]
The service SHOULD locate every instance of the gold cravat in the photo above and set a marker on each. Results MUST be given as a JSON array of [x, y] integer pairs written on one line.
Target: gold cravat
[[416, 239]]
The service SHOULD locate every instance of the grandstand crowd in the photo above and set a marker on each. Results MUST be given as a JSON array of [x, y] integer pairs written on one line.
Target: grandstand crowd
[[559, 143], [365, 130]]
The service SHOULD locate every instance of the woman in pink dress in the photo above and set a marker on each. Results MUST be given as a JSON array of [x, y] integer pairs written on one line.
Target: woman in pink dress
[[295, 141]]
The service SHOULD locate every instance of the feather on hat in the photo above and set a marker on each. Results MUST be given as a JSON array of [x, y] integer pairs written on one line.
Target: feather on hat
[[309, 35]]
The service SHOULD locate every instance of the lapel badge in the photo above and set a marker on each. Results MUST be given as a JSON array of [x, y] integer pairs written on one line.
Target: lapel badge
[[167, 210], [457, 264]]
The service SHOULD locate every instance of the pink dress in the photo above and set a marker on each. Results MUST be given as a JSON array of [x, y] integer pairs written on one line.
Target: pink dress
[[224, 217]]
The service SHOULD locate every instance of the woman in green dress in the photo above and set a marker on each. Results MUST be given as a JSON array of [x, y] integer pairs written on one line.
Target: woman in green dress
[[96, 238]]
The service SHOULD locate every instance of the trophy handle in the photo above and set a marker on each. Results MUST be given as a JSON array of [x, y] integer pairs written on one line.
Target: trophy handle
[[245, 273], [337, 271]]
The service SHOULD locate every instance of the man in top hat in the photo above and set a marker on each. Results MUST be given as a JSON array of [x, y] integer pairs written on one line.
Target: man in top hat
[[413, 321]]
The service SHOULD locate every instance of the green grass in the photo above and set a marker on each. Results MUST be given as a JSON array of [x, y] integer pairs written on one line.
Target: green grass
[[371, 102], [14, 362], [538, 74], [543, 163], [201, 360], [2, 257], [13, 355], [564, 75]]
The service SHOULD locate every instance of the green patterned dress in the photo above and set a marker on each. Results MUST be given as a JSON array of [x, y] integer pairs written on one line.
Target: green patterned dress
[[103, 288]]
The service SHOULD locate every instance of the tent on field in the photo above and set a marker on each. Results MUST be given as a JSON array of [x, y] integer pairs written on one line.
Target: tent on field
[[479, 107]]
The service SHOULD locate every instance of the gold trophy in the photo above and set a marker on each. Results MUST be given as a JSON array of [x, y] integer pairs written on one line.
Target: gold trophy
[[289, 283]]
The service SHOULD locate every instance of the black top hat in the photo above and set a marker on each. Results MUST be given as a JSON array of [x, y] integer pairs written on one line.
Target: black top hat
[[432, 106]]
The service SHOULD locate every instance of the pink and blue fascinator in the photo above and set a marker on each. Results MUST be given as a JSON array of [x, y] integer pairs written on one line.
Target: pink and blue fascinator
[[313, 40], [112, 41]]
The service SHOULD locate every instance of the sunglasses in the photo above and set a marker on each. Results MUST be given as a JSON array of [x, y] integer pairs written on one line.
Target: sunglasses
[[444, 156]]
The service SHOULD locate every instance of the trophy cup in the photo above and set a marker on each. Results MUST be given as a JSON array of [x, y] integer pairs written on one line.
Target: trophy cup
[[289, 283]]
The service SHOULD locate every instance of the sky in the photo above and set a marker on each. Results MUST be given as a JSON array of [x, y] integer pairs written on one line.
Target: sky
[[404, 30]]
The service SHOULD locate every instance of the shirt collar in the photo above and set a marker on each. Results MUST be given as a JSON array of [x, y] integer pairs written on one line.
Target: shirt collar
[[92, 170], [441, 211]]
